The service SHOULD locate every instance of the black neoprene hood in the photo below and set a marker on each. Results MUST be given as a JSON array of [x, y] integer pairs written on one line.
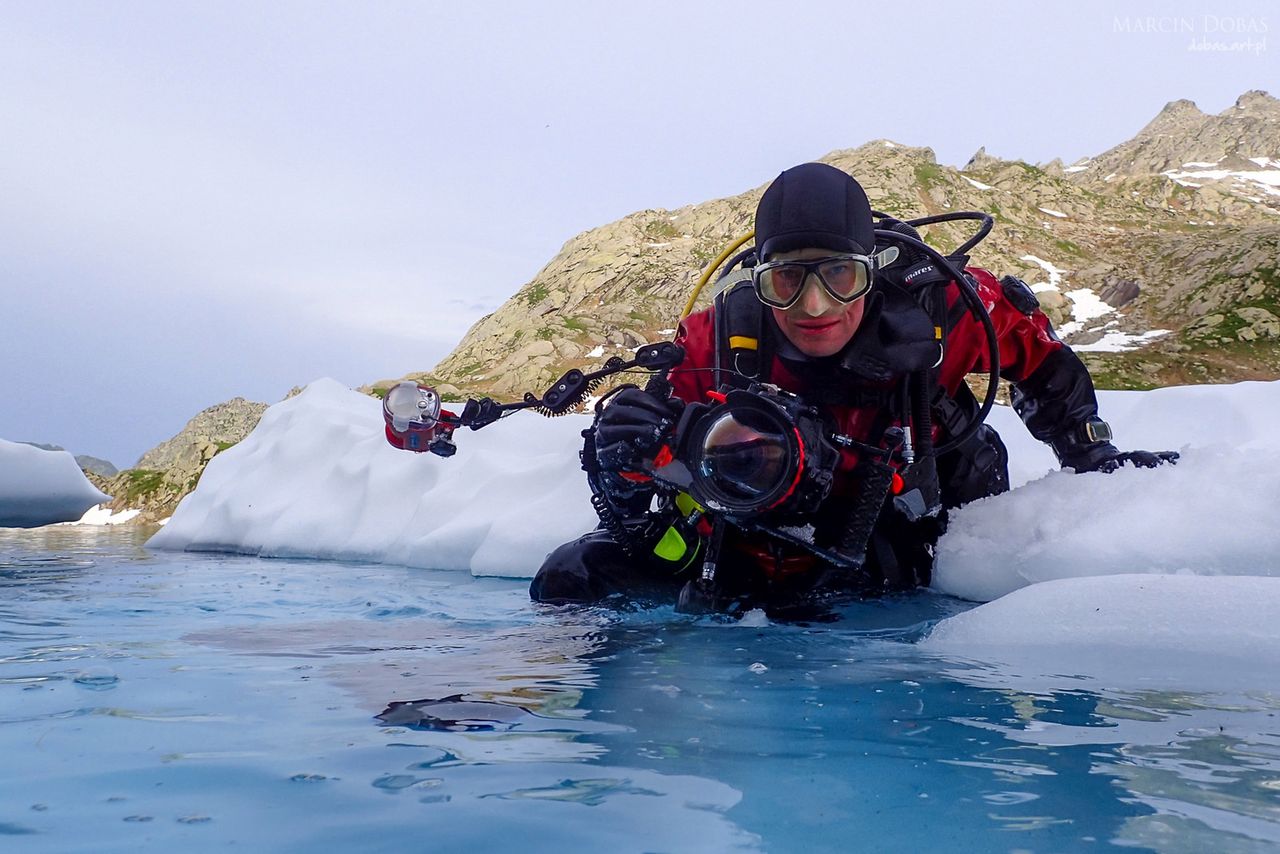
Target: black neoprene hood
[[814, 205]]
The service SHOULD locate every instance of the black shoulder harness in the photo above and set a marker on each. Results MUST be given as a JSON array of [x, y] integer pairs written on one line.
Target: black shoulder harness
[[744, 348]]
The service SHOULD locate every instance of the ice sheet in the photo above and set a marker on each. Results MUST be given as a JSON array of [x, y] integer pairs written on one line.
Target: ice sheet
[[39, 487], [1140, 632]]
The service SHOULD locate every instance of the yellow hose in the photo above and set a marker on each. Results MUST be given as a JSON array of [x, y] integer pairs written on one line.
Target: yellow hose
[[715, 265]]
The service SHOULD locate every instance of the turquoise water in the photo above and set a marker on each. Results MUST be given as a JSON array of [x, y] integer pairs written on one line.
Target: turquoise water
[[157, 701]]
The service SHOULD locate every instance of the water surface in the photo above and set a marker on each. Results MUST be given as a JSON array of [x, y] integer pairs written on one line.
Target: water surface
[[159, 701]]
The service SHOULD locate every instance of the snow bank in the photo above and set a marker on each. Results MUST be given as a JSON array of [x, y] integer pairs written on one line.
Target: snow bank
[[1055, 274], [316, 478], [39, 487], [1214, 513], [1265, 180], [1116, 341]]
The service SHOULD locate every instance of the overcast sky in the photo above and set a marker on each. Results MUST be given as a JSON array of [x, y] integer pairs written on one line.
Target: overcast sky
[[207, 200]]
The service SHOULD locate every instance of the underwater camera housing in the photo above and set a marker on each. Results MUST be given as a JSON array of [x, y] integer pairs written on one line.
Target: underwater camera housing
[[761, 460], [753, 453]]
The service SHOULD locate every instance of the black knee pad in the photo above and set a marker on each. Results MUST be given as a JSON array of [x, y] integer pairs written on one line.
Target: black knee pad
[[582, 570], [594, 567]]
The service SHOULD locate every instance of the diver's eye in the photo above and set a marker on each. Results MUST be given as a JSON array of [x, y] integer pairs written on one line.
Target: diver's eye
[[788, 277]]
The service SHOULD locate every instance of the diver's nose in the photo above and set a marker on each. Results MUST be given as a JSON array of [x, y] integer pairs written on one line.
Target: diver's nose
[[814, 301]]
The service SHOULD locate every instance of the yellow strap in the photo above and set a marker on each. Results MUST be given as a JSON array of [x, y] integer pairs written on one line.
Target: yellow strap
[[937, 333], [742, 342], [715, 265]]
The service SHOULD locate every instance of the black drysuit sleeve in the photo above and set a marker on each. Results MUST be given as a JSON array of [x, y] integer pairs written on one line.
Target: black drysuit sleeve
[[1057, 397], [1054, 401]]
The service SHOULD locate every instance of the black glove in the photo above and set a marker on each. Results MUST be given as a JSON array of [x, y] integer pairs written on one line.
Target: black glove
[[633, 426], [1104, 457]]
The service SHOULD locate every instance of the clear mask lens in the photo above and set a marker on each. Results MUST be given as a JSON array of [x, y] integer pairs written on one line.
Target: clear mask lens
[[844, 278]]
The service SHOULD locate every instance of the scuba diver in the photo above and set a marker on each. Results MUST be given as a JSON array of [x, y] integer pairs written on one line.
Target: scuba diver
[[818, 428]]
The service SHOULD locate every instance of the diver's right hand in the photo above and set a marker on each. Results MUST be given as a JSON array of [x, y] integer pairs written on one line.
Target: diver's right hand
[[633, 426]]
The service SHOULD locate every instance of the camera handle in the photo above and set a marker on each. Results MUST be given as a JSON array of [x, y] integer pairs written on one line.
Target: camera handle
[[701, 595], [866, 511]]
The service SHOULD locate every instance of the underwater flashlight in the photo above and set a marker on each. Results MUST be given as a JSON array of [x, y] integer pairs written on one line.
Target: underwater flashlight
[[413, 416], [409, 403]]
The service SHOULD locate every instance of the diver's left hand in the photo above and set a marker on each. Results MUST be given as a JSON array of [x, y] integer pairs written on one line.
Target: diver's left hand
[[1144, 459], [1109, 462], [632, 426]]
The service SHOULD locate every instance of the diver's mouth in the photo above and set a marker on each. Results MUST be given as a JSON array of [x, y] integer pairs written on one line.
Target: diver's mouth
[[816, 327]]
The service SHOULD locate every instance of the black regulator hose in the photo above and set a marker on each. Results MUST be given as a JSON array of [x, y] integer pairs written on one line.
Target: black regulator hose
[[921, 399], [987, 220], [993, 367], [974, 302]]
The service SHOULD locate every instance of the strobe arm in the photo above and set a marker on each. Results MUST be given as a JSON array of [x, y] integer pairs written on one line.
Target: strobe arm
[[574, 387]]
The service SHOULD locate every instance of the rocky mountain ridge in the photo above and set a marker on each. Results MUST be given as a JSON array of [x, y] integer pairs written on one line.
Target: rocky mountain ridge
[[1157, 278], [1181, 136]]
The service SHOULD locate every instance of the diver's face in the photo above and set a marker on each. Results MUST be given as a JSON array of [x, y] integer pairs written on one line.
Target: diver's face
[[817, 324]]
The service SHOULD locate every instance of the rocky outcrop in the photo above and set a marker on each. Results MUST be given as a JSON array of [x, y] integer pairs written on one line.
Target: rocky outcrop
[[171, 469], [94, 465], [1118, 292], [981, 161], [213, 430]]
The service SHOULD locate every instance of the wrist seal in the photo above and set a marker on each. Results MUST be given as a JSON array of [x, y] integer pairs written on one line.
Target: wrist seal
[[1085, 446]]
